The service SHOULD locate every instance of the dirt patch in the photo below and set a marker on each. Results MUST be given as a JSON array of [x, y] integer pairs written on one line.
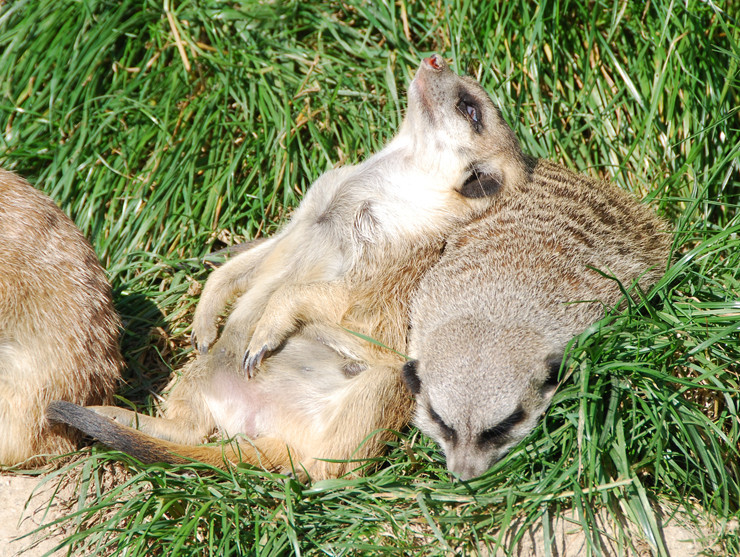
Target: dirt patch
[[682, 536], [22, 512]]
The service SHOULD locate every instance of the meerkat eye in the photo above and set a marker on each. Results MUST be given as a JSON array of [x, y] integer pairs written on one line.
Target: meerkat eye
[[468, 107]]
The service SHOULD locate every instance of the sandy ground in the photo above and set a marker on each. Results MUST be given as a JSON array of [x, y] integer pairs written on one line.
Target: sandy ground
[[682, 537], [22, 511], [19, 516]]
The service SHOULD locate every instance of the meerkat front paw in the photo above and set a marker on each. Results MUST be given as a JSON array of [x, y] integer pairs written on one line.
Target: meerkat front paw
[[204, 331], [258, 348], [253, 360], [271, 331]]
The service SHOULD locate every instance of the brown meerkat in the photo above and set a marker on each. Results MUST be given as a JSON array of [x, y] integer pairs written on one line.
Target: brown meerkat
[[58, 329], [491, 320], [345, 263]]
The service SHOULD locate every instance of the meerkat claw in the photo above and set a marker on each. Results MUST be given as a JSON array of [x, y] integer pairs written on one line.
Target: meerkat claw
[[252, 362], [201, 347]]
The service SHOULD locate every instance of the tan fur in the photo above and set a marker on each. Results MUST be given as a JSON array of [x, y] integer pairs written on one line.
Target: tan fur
[[348, 260], [58, 330], [491, 320]]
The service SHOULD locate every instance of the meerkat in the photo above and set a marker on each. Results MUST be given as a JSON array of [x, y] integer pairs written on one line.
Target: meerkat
[[58, 329], [452, 153], [343, 266], [490, 322]]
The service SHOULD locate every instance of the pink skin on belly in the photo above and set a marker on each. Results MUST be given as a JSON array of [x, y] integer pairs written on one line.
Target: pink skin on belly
[[238, 405]]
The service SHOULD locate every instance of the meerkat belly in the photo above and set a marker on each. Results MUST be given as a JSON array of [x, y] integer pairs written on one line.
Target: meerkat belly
[[298, 386], [238, 406]]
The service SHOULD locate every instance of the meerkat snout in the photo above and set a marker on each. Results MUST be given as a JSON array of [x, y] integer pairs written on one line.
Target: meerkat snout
[[436, 62]]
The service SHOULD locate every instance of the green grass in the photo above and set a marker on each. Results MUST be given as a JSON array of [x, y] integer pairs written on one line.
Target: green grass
[[163, 153]]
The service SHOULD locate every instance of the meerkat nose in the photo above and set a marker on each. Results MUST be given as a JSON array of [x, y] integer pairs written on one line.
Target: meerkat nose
[[436, 62]]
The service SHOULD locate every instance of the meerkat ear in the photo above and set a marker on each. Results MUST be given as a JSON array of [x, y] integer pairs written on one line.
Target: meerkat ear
[[482, 184], [553, 363], [410, 378]]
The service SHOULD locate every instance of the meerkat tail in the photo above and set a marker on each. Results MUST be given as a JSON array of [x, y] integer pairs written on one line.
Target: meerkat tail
[[267, 453]]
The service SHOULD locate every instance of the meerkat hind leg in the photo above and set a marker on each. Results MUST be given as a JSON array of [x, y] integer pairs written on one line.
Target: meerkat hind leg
[[268, 453], [187, 420], [173, 430], [363, 418]]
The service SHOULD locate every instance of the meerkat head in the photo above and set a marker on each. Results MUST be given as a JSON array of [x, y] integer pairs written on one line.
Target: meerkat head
[[479, 400], [456, 129]]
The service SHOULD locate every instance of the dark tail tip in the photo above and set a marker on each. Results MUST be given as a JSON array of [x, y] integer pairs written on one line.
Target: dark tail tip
[[63, 412], [87, 421]]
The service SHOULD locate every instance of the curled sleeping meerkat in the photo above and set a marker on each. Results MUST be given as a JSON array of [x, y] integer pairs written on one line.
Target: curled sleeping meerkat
[[491, 320], [58, 329], [347, 261]]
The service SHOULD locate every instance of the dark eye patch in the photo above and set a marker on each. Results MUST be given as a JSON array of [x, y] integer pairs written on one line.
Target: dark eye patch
[[449, 434], [499, 434]]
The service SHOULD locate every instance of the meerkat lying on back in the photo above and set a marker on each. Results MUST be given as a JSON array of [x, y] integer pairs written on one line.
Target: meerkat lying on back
[[348, 260], [452, 152], [491, 321], [58, 330]]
